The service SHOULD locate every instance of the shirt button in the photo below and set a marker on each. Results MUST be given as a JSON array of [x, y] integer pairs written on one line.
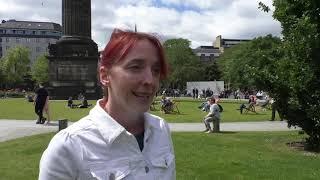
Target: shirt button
[[147, 169], [112, 176]]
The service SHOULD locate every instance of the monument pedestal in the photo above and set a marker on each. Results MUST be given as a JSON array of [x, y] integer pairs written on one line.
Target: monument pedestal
[[74, 58], [73, 68]]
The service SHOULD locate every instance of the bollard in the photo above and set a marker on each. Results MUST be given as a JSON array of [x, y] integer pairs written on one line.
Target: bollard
[[216, 125], [63, 123]]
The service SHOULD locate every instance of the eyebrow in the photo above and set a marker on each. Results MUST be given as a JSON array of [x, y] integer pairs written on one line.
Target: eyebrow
[[141, 61]]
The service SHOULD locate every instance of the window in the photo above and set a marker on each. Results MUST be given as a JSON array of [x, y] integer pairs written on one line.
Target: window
[[18, 40], [38, 49], [13, 31], [43, 32], [33, 32], [7, 40], [28, 40], [211, 56], [0, 40], [7, 47], [37, 40], [1, 31]]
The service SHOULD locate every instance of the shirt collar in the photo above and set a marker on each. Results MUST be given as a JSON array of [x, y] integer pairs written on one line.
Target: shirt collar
[[110, 129]]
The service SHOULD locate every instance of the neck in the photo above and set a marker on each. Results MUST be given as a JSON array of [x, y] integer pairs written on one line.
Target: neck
[[131, 121]]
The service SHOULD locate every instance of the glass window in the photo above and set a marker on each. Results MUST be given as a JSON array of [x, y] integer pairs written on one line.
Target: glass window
[[38, 49], [7, 40], [37, 40], [7, 47], [18, 40]]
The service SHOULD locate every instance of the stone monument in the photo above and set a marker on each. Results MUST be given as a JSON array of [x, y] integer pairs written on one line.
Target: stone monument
[[73, 59]]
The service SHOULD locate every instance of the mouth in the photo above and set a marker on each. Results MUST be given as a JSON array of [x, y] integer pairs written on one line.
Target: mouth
[[143, 95]]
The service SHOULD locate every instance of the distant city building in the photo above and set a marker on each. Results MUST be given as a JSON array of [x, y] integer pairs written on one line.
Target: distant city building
[[211, 53], [34, 35], [222, 43], [207, 53]]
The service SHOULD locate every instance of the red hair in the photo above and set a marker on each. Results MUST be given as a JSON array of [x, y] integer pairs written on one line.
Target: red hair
[[122, 41]]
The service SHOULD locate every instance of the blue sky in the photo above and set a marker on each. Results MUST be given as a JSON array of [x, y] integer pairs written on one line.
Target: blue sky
[[199, 21]]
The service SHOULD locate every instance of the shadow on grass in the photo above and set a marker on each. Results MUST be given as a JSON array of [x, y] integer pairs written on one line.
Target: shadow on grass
[[254, 114], [227, 132]]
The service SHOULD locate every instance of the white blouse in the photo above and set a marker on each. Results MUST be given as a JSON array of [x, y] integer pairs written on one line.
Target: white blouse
[[97, 147]]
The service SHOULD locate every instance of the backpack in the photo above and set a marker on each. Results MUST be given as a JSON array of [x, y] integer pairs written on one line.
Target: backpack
[[220, 108]]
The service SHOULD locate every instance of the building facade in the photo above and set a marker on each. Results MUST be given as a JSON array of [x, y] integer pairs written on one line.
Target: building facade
[[211, 53], [222, 43], [36, 36], [207, 53]]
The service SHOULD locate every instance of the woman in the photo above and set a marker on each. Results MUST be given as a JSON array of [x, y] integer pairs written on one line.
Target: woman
[[118, 139]]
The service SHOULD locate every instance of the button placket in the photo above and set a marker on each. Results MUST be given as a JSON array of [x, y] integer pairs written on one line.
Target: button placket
[[146, 168]]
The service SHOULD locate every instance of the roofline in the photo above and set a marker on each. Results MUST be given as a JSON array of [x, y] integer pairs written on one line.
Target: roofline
[[236, 39], [10, 20]]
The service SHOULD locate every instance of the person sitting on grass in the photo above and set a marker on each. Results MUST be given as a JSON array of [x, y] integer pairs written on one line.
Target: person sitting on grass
[[166, 104], [84, 103], [70, 102], [205, 106]]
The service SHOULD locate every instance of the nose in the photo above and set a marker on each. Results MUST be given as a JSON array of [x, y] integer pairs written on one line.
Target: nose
[[148, 77]]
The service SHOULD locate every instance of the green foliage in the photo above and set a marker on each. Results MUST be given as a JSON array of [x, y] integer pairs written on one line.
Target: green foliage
[[40, 70], [15, 65], [184, 64], [300, 21], [211, 72], [252, 64], [2, 77]]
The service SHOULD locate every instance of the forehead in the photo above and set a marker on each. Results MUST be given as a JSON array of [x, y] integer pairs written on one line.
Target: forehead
[[143, 50]]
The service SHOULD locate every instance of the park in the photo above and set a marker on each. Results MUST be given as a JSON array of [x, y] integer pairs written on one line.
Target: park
[[232, 154], [279, 139]]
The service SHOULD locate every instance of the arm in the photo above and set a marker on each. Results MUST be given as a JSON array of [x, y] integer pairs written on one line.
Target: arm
[[172, 166], [59, 161]]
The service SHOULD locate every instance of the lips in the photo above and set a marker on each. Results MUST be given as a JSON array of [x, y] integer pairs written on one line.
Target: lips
[[143, 95]]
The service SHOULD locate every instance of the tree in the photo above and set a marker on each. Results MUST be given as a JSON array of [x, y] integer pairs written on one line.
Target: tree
[[252, 64], [300, 23], [15, 65], [1, 73], [211, 71], [40, 69], [184, 64]]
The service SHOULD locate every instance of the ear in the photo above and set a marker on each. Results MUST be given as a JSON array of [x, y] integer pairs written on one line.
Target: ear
[[104, 76]]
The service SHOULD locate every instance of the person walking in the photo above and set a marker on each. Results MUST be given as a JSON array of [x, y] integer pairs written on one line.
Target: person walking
[[40, 102]]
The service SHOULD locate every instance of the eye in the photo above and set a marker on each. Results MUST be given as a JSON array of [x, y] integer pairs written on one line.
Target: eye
[[156, 70], [135, 67]]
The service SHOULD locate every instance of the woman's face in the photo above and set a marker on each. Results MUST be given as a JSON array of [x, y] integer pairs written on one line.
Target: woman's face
[[133, 81]]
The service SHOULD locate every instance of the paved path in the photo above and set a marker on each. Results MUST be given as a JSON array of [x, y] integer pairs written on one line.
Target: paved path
[[11, 129]]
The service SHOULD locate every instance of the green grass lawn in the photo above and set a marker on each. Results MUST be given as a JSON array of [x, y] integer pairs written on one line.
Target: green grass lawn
[[18, 108], [250, 155]]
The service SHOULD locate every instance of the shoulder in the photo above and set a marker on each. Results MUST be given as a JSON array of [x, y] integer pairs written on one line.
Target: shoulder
[[70, 137], [156, 122]]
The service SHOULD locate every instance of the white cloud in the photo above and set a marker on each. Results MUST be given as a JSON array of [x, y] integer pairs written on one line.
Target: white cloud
[[200, 21]]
